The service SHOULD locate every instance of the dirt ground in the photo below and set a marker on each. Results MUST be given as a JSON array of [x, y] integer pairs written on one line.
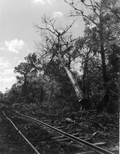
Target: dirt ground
[[7, 145], [12, 143]]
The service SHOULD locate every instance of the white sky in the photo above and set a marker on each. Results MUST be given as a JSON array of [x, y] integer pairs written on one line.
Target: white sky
[[17, 33]]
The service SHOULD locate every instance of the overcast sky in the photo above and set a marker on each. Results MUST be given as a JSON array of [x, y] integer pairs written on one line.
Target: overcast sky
[[17, 33]]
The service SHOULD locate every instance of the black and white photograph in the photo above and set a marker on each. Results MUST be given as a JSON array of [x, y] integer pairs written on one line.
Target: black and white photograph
[[59, 76]]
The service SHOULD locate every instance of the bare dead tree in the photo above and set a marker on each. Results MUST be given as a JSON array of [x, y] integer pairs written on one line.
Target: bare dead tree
[[58, 43]]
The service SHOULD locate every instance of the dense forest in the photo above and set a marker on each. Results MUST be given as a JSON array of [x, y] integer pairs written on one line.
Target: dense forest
[[47, 82]]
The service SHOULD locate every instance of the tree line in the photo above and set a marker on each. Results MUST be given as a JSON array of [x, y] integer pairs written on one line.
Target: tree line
[[48, 79]]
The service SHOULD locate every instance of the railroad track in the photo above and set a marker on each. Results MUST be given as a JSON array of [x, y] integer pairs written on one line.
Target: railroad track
[[59, 133]]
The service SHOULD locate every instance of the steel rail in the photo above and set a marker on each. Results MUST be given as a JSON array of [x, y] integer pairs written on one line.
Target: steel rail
[[73, 138], [36, 151]]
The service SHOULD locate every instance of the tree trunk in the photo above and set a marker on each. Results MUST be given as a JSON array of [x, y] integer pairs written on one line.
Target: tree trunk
[[103, 65], [76, 87], [40, 96], [102, 51], [24, 86]]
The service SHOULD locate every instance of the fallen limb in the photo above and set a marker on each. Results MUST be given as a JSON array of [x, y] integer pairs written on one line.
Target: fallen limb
[[98, 125], [100, 143], [113, 125]]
